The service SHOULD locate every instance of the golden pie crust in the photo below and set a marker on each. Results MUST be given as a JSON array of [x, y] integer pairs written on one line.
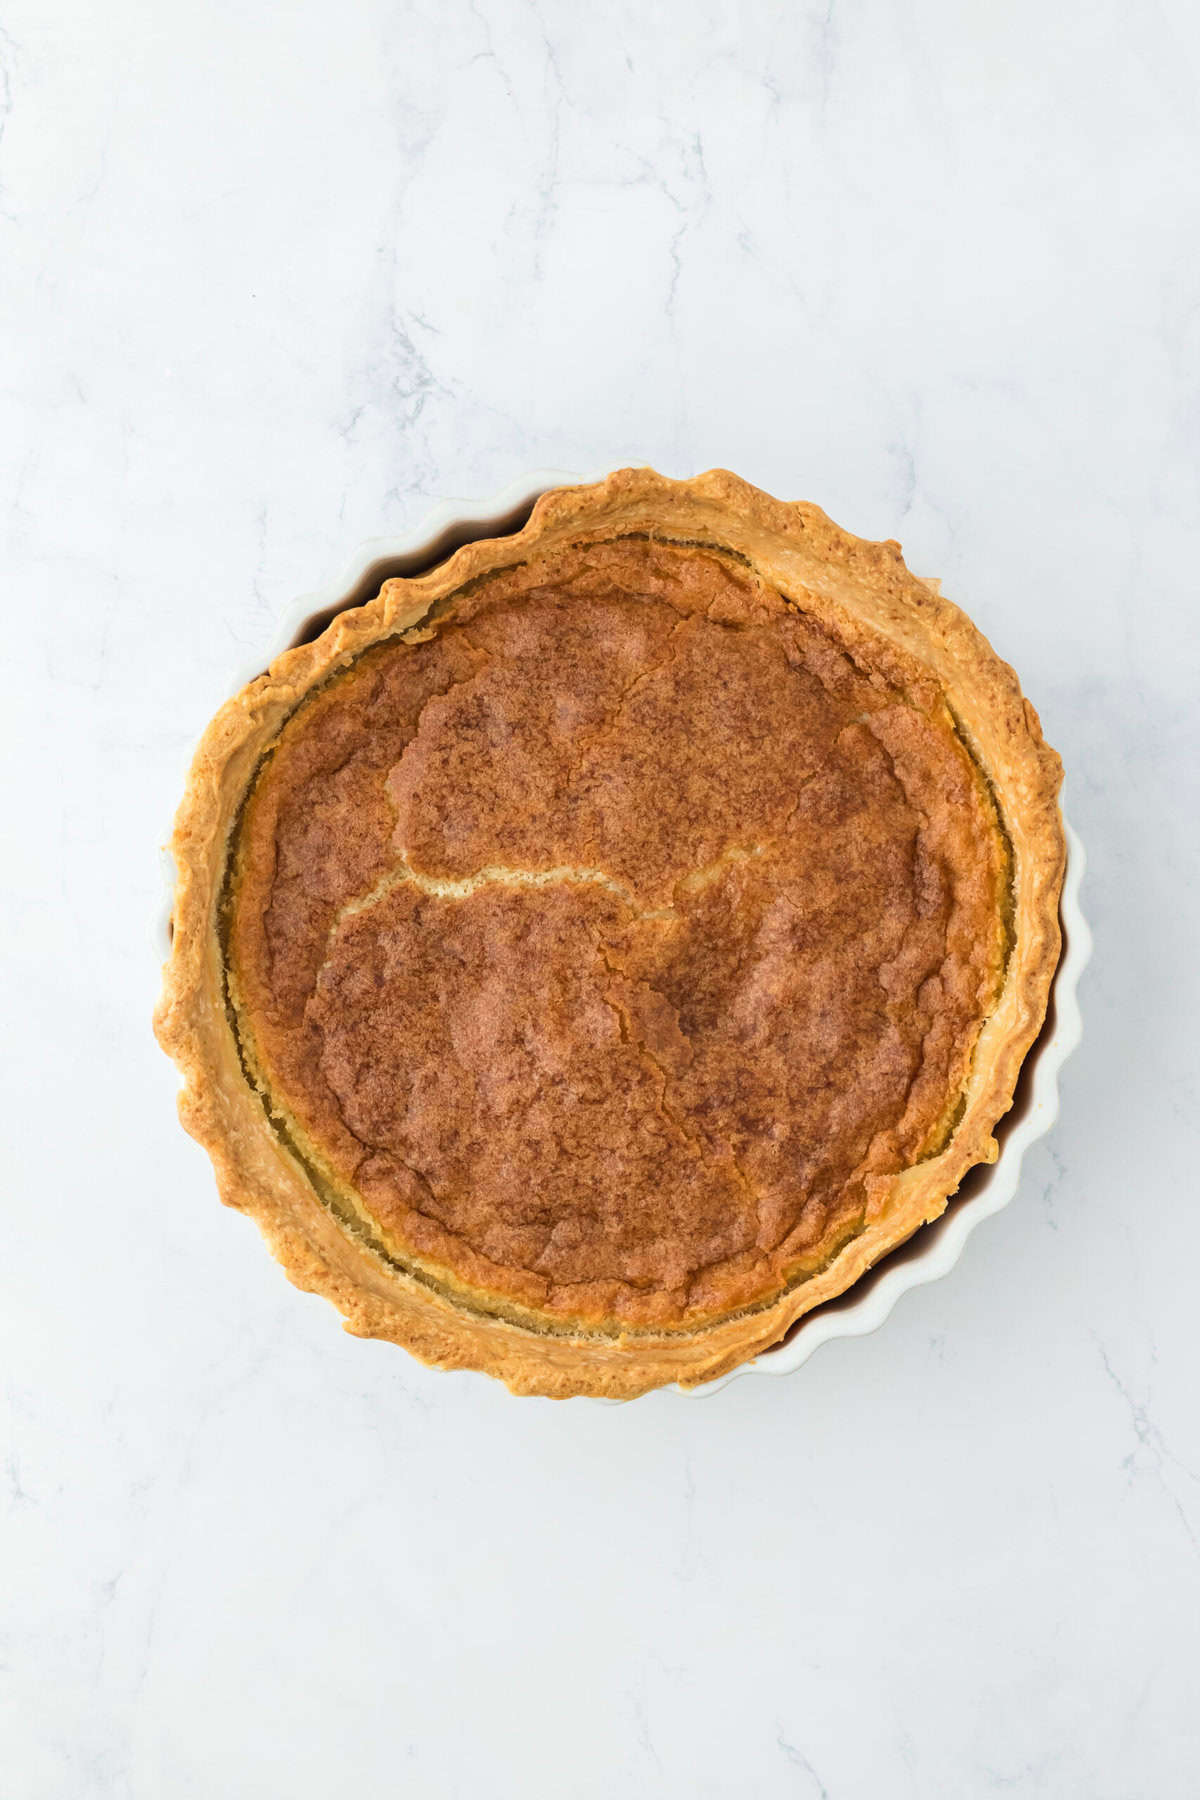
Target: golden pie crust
[[593, 954]]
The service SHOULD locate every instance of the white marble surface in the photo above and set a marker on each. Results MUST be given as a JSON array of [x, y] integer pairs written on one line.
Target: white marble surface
[[273, 278]]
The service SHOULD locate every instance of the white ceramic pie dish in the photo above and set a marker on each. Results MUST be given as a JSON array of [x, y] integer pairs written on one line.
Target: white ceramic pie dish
[[935, 1249]]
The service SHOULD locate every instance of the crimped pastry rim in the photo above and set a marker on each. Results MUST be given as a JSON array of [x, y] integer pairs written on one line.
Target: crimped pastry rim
[[248, 1168]]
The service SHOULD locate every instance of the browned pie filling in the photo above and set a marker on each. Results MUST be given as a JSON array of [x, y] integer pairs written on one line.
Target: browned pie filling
[[606, 945]]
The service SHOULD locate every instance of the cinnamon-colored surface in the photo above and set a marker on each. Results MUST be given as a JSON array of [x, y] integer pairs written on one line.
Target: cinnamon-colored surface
[[616, 943]]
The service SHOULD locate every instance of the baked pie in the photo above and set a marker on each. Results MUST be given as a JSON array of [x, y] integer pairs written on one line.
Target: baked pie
[[596, 952]]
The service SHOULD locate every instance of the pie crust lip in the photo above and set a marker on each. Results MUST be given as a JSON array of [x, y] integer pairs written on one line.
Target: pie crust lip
[[207, 1102]]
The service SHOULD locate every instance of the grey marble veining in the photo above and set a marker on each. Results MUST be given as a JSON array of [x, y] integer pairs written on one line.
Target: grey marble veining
[[271, 281]]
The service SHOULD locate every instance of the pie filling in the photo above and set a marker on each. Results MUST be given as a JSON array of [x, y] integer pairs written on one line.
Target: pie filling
[[607, 945]]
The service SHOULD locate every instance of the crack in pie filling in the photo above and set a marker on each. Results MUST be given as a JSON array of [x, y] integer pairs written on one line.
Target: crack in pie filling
[[596, 952]]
